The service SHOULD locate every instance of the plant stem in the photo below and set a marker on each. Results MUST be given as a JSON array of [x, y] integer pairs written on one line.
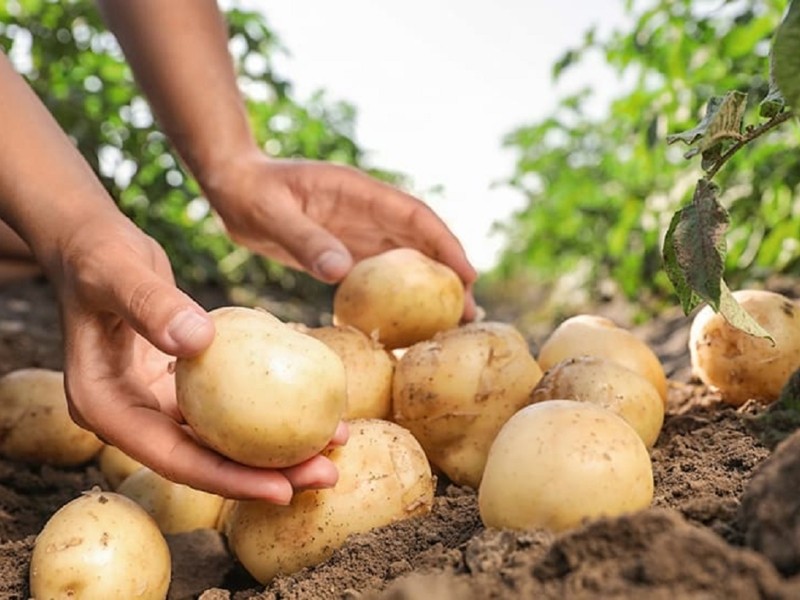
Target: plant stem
[[748, 137]]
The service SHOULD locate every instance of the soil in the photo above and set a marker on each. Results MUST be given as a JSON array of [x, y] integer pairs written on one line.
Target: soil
[[725, 520]]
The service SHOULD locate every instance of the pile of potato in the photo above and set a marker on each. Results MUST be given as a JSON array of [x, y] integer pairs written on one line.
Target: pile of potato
[[546, 441]]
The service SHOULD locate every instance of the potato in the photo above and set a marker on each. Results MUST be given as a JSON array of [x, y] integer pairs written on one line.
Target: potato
[[607, 384], [742, 366], [35, 422], [176, 508], [369, 368], [384, 477], [100, 545], [115, 465], [556, 463], [455, 391], [401, 295], [591, 335], [262, 393]]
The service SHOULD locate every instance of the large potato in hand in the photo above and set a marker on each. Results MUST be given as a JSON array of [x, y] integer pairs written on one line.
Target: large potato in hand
[[455, 391], [100, 545], [262, 393], [401, 295], [384, 477], [557, 463], [607, 384], [742, 366], [592, 335], [35, 425]]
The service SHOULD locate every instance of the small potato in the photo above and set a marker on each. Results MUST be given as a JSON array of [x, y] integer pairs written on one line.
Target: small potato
[[607, 384], [384, 477], [35, 425], [556, 463], [115, 465], [176, 508], [741, 366], [262, 393], [591, 335], [455, 391], [401, 295], [100, 545], [369, 368]]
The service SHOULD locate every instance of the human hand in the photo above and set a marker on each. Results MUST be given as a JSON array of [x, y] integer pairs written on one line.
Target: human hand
[[321, 217], [124, 321]]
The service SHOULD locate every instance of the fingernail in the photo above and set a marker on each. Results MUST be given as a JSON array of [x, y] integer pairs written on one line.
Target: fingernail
[[189, 329], [332, 265]]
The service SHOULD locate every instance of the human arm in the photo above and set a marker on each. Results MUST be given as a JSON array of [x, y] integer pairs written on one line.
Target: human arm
[[315, 216], [123, 318]]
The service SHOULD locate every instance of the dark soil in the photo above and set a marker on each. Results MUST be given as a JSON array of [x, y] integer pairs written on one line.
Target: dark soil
[[725, 521]]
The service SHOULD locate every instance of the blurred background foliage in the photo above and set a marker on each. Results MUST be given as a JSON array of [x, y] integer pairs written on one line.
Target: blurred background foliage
[[601, 189], [76, 67]]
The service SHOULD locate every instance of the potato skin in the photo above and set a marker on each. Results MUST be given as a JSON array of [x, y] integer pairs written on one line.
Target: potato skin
[[402, 295], [593, 335], [115, 465], [100, 545], [741, 366], [262, 393], [556, 463], [607, 384], [455, 391], [35, 425], [384, 477]]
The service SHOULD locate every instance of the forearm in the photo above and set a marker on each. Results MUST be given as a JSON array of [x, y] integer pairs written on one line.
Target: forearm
[[47, 190], [178, 50]]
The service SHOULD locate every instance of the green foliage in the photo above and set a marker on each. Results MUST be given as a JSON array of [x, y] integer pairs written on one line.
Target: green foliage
[[602, 191], [75, 66]]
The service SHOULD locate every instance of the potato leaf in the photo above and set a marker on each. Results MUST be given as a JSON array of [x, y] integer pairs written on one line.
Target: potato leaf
[[694, 249], [773, 103], [785, 56], [722, 122], [738, 316]]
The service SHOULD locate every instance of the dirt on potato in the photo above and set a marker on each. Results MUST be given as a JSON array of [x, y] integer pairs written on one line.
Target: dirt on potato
[[725, 520]]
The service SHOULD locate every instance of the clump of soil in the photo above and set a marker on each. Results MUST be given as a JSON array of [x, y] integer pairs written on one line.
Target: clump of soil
[[723, 520]]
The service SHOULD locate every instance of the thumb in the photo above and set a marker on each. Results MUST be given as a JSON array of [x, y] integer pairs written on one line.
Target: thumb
[[160, 312]]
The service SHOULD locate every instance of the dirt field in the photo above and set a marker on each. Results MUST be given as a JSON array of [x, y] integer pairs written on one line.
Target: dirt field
[[725, 522]]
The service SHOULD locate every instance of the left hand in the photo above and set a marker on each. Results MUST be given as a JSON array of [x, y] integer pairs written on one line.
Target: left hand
[[322, 217]]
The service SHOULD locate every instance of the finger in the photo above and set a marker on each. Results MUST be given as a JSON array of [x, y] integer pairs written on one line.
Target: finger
[[315, 473], [341, 435]]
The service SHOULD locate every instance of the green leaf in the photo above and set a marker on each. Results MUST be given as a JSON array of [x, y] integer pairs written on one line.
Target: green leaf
[[738, 316], [686, 295], [695, 255], [722, 122], [785, 56], [773, 103]]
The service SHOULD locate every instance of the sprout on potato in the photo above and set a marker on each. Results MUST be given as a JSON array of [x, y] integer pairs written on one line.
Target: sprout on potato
[[384, 477], [557, 463], [100, 545], [401, 295], [455, 391], [369, 368], [175, 507], [607, 384], [592, 335], [35, 422], [742, 366], [115, 465], [262, 393]]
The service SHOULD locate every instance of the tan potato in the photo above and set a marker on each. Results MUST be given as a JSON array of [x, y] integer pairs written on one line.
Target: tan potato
[[100, 545], [384, 477], [35, 422], [455, 391], [262, 393], [557, 463], [401, 295], [607, 384], [742, 366], [175, 507], [591, 335], [369, 367], [115, 465]]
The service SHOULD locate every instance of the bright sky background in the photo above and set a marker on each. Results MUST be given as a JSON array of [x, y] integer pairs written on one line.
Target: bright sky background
[[437, 84]]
